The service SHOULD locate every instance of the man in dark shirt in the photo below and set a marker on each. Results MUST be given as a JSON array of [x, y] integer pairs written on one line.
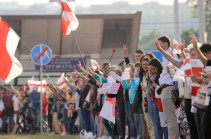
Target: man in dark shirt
[[85, 110], [8, 110]]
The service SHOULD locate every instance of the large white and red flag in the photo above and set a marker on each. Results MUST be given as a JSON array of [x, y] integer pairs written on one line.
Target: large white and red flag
[[69, 20], [25, 86], [160, 109], [108, 109], [61, 82], [10, 67], [177, 47], [32, 83], [94, 63]]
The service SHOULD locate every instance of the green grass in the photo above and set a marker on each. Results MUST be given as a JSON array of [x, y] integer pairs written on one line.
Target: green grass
[[38, 136]]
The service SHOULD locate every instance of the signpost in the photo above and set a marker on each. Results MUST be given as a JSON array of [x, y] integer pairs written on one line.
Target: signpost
[[41, 55]]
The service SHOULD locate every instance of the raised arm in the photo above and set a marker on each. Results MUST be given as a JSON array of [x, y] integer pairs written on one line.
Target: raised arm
[[198, 51], [82, 69], [126, 85], [174, 61], [115, 76], [182, 49], [126, 54], [97, 77]]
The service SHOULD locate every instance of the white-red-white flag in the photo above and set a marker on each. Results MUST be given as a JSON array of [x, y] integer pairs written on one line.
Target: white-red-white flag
[[94, 63], [10, 67], [196, 67], [25, 86], [186, 63], [108, 109], [32, 83], [61, 82], [69, 20], [177, 47]]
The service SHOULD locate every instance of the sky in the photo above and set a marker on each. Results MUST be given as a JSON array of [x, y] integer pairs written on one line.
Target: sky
[[93, 2]]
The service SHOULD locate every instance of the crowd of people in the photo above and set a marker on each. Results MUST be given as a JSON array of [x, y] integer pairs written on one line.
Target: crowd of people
[[149, 105]]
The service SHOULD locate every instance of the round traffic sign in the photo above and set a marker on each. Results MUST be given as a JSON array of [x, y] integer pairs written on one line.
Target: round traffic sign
[[41, 54]]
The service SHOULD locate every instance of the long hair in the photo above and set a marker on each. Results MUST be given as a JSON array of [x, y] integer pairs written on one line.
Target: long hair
[[141, 73], [156, 63], [151, 55]]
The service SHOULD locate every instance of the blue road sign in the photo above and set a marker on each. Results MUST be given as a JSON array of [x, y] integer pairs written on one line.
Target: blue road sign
[[41, 54]]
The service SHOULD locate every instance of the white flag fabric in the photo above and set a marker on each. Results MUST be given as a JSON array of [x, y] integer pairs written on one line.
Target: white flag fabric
[[108, 109], [94, 64], [61, 82], [32, 83], [69, 20], [179, 75], [10, 67], [177, 47], [126, 74]]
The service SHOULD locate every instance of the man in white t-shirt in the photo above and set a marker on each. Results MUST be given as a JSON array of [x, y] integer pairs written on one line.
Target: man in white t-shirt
[[166, 86]]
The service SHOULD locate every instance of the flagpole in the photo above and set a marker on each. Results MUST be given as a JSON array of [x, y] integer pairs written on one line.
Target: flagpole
[[41, 90], [78, 47]]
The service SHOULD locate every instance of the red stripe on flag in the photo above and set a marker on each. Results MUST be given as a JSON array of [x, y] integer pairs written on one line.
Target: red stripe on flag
[[195, 90], [5, 59], [65, 25], [188, 72], [46, 48], [61, 83], [159, 104], [43, 85], [196, 71], [187, 61], [66, 7]]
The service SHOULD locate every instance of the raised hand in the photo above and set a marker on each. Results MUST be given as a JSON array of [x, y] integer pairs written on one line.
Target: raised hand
[[131, 73], [89, 69], [79, 64], [171, 52], [157, 44], [182, 45], [193, 40], [125, 50]]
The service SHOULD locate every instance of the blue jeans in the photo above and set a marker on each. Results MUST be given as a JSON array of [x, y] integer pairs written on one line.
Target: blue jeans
[[133, 132], [81, 119], [71, 125], [154, 115], [87, 118], [7, 114], [65, 119], [139, 124]]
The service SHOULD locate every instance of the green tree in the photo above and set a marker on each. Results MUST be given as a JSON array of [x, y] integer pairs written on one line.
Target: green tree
[[146, 41], [207, 11], [186, 35]]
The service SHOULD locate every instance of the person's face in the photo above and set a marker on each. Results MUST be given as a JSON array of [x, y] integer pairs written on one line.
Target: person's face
[[137, 69], [138, 57], [104, 69], [163, 45], [74, 76], [153, 69], [193, 54], [8, 91], [121, 68], [145, 66], [22, 93], [207, 55]]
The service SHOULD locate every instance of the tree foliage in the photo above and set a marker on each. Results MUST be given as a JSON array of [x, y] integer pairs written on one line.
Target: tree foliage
[[207, 11]]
